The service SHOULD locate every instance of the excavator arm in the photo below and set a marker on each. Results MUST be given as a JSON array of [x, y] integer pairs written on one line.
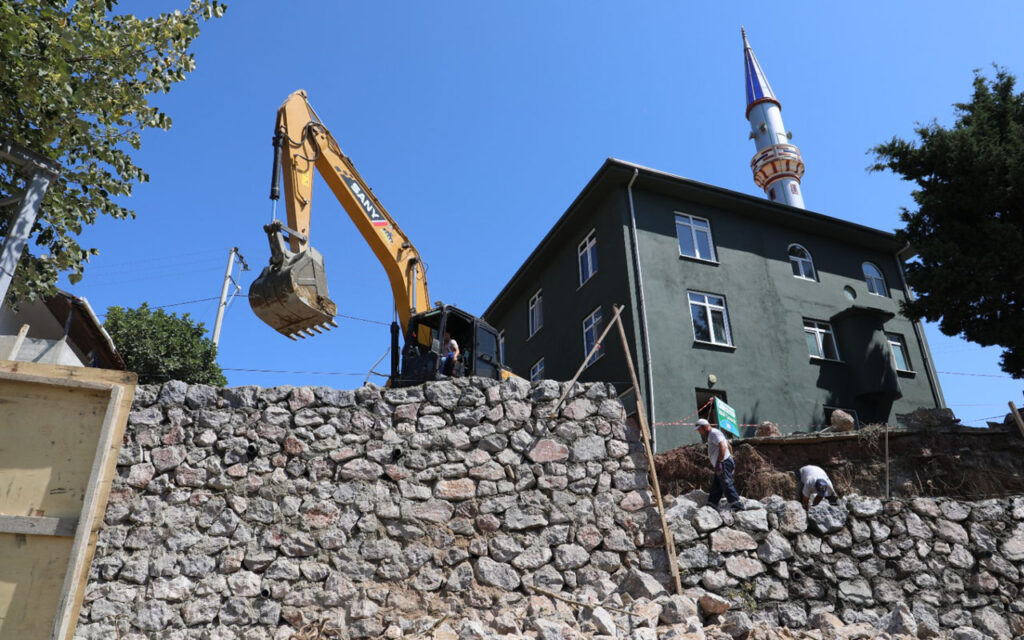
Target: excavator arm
[[291, 294]]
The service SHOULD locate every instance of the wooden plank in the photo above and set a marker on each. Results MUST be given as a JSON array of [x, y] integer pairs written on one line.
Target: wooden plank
[[1016, 418], [60, 431], [17, 342], [670, 544], [52, 372], [94, 503], [38, 525]]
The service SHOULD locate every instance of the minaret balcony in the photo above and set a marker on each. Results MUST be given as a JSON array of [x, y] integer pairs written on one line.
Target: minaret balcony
[[777, 161]]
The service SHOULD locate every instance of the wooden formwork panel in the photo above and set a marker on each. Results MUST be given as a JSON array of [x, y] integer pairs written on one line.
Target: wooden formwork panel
[[60, 433]]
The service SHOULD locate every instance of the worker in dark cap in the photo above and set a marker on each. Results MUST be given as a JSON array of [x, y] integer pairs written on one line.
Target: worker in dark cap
[[814, 483], [723, 463]]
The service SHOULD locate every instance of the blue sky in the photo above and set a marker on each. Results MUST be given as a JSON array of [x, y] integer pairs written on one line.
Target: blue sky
[[476, 124]]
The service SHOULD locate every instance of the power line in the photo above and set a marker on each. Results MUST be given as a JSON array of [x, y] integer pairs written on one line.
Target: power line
[[176, 258], [178, 304], [100, 283], [977, 375], [1001, 415], [198, 300], [989, 404], [311, 373]]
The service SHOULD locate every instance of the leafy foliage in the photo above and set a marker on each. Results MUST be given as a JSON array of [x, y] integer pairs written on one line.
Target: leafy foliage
[[161, 347], [968, 227], [75, 87]]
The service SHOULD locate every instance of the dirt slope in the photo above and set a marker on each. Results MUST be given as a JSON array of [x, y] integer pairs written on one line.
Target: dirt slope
[[946, 460]]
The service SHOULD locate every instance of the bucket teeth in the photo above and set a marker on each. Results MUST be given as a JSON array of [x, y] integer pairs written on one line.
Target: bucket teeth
[[333, 323], [315, 328], [290, 336]]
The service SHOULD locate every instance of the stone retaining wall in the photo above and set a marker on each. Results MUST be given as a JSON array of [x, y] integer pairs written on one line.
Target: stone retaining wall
[[247, 513], [953, 564]]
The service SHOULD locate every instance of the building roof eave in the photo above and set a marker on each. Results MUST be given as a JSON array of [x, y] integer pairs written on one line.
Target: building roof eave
[[85, 328], [614, 172]]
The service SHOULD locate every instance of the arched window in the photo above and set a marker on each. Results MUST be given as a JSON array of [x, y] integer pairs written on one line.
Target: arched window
[[876, 282], [802, 263]]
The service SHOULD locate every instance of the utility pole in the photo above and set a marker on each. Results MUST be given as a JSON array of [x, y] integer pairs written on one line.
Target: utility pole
[[223, 304], [43, 171]]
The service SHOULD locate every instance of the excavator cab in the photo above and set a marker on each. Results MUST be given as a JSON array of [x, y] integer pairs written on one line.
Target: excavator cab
[[290, 293], [422, 356]]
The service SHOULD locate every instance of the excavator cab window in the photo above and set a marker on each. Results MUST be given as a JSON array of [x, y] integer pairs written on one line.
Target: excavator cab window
[[486, 354], [461, 329], [422, 354]]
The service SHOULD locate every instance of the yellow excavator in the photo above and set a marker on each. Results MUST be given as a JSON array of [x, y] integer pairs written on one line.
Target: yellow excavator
[[291, 295]]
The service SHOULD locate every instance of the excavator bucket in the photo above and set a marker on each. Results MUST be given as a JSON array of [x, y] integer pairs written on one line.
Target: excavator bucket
[[290, 294]]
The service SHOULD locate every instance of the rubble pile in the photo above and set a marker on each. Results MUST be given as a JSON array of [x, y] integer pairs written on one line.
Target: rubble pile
[[464, 510]]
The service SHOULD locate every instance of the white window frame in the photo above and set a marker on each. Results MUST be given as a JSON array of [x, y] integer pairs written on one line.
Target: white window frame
[[707, 308], [685, 223], [818, 330], [586, 252], [897, 340], [536, 312], [802, 263], [537, 370], [501, 346], [876, 283], [592, 324]]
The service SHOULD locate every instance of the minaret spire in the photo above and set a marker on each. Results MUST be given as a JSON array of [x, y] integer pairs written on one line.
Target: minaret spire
[[777, 165]]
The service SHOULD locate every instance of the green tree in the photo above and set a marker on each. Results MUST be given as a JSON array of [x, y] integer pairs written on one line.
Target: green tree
[[75, 84], [160, 346], [967, 229]]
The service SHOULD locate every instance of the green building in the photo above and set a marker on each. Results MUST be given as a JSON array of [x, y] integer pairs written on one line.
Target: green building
[[783, 313]]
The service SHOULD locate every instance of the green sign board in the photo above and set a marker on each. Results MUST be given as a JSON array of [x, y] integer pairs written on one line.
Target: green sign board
[[726, 418]]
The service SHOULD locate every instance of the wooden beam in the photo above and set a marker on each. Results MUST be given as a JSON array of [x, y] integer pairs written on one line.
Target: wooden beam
[[39, 525], [1016, 418], [61, 482], [670, 544], [593, 350], [17, 342]]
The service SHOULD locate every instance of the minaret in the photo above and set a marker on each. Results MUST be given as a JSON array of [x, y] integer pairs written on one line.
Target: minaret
[[777, 165]]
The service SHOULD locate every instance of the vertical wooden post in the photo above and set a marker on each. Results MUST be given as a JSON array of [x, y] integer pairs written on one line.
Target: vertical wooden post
[[670, 546], [593, 350], [886, 460], [17, 342], [1016, 418]]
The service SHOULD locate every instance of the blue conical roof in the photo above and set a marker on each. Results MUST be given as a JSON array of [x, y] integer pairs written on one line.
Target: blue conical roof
[[758, 89]]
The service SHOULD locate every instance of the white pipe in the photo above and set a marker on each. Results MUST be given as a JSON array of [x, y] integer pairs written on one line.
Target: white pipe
[[643, 309]]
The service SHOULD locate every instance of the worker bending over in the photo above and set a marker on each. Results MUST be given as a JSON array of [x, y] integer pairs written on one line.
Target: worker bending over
[[814, 482], [723, 464]]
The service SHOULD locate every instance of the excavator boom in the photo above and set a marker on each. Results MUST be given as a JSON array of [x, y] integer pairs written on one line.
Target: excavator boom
[[291, 293]]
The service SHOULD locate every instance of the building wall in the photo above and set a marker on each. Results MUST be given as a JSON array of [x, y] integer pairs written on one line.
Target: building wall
[[566, 303], [767, 374], [45, 340]]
